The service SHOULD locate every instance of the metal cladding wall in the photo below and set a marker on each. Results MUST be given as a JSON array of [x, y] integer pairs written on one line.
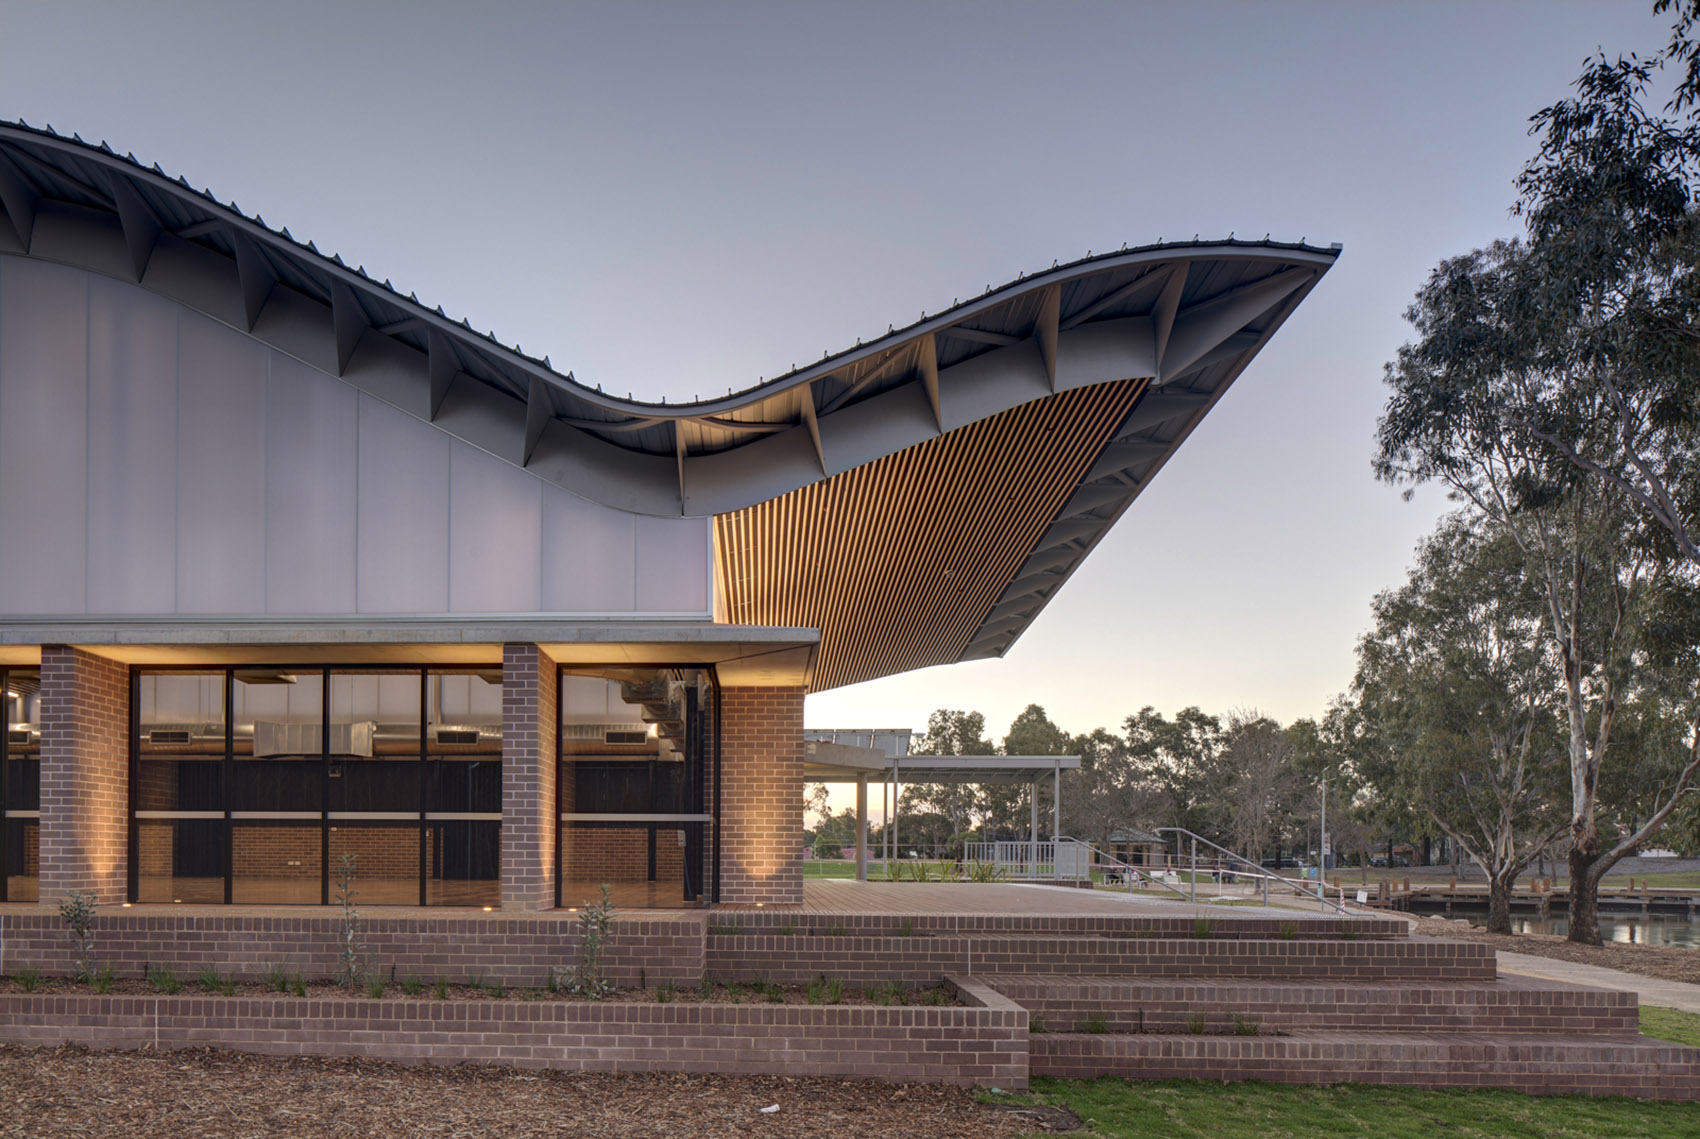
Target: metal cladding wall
[[154, 461]]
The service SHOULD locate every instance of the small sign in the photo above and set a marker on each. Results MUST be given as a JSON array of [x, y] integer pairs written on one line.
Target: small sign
[[1363, 897]]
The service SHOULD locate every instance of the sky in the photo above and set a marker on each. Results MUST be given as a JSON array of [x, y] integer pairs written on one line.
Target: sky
[[676, 199]]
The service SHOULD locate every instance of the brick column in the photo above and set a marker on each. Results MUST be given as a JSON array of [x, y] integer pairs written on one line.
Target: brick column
[[85, 769], [531, 694], [761, 796]]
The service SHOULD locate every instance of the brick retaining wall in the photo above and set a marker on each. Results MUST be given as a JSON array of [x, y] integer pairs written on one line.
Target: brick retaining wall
[[1510, 1005], [1539, 1065], [514, 950], [798, 958], [983, 1045]]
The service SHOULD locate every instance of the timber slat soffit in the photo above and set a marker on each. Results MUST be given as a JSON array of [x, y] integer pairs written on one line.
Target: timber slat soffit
[[899, 561]]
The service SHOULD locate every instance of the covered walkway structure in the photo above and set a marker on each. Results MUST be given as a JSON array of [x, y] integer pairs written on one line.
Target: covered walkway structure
[[828, 762]]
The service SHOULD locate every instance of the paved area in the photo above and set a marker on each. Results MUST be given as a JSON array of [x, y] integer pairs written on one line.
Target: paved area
[[847, 896], [1650, 990]]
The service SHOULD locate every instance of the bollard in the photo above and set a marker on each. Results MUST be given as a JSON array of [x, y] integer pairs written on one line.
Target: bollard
[[1452, 884]]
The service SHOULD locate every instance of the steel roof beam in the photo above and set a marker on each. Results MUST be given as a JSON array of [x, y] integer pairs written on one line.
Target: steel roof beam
[[1204, 326], [1001, 339], [257, 277], [1046, 331], [1137, 287], [141, 227], [441, 366], [19, 199], [348, 323]]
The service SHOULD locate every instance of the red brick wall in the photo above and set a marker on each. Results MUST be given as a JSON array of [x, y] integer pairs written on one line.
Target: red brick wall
[[984, 1046], [516, 950], [84, 841], [530, 700], [761, 796], [605, 854]]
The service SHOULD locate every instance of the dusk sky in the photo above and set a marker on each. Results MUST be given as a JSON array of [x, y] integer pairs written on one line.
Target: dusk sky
[[675, 199]]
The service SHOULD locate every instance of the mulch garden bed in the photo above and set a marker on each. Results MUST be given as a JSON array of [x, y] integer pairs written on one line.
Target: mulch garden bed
[[1670, 963], [189, 1094], [710, 993]]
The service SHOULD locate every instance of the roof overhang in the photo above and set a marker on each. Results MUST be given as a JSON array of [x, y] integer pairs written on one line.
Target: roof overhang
[[1074, 385], [742, 656]]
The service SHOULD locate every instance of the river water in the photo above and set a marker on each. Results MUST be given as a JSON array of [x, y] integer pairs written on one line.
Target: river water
[[1634, 929]]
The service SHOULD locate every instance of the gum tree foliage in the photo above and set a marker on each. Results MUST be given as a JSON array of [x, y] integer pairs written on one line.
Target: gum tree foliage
[[1262, 786], [951, 732], [1552, 387], [1030, 733], [1456, 691], [1176, 763]]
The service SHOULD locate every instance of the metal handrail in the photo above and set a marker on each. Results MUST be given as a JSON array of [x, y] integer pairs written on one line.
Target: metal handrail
[[1133, 871], [1298, 887]]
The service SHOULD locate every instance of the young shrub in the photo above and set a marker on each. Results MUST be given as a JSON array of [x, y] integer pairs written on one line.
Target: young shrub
[[412, 985], [834, 931], [164, 980], [937, 997], [1351, 933], [374, 987], [664, 993], [101, 980], [1203, 927], [1195, 1023], [277, 979], [1245, 1025], [298, 985], [441, 989], [1289, 930], [1097, 1024], [77, 908], [27, 979], [907, 929], [1035, 1024], [596, 925], [496, 989], [785, 930], [351, 942], [475, 980], [734, 992]]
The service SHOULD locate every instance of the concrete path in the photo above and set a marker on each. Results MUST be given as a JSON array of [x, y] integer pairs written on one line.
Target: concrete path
[[1650, 990]]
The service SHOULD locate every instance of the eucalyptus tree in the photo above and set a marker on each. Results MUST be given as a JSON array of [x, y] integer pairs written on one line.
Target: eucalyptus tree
[[1553, 386], [1455, 694], [951, 732], [1177, 762], [1262, 785]]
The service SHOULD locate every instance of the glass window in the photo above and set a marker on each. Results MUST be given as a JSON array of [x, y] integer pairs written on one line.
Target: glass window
[[277, 791], [20, 786], [632, 785], [463, 819], [375, 785], [179, 793]]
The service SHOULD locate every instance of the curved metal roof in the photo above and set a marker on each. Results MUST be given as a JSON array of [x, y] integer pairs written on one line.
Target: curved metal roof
[[1178, 322]]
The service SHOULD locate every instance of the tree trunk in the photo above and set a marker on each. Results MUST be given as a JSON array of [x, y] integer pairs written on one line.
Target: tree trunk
[[1499, 903], [1428, 851], [1584, 895]]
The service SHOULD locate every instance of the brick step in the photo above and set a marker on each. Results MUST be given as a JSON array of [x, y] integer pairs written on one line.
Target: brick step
[[1222, 925], [1539, 1065], [796, 959], [1511, 1005]]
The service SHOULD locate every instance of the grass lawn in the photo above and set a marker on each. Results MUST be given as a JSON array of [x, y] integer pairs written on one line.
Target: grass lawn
[[1196, 1109], [1671, 1024]]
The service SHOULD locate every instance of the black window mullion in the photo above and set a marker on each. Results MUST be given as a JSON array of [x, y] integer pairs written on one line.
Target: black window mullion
[[325, 787], [424, 771], [229, 789], [6, 791], [132, 837]]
